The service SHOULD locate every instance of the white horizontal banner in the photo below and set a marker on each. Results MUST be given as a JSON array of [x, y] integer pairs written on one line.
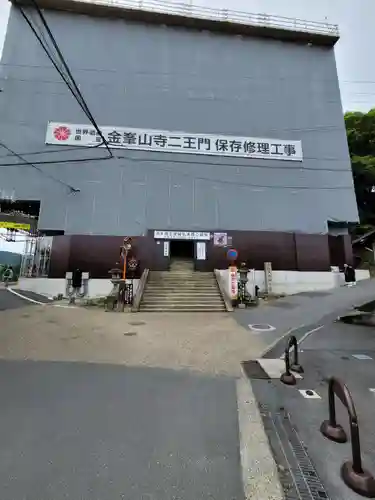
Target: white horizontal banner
[[67, 134], [181, 235]]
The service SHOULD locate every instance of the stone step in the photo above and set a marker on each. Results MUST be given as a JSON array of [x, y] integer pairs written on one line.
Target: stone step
[[164, 308], [182, 289], [158, 279], [181, 268], [181, 283], [182, 293], [177, 284], [181, 276], [178, 300]]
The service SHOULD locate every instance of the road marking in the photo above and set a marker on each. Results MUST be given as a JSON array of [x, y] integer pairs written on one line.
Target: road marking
[[24, 297], [361, 357], [275, 342], [303, 338], [259, 471], [309, 394], [307, 334]]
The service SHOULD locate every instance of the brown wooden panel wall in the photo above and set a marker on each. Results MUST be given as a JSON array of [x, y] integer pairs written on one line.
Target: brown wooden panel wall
[[286, 251], [312, 251], [60, 254], [254, 248], [95, 254]]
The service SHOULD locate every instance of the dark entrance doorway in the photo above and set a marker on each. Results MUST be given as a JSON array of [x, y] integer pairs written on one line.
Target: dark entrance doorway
[[182, 249]]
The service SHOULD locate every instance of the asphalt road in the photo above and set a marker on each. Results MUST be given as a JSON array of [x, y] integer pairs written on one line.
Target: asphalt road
[[102, 432], [10, 301], [294, 422]]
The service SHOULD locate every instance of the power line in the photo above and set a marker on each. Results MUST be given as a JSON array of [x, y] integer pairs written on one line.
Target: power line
[[67, 69], [72, 85], [92, 119], [197, 162], [71, 188], [237, 183], [79, 98]]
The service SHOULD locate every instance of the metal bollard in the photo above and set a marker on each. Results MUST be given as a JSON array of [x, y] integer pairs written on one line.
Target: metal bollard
[[287, 377], [354, 476]]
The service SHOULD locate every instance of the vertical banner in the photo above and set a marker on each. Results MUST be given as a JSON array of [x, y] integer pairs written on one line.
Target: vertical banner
[[166, 248], [233, 283], [201, 250]]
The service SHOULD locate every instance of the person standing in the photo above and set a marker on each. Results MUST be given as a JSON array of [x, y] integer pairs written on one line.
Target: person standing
[[349, 273]]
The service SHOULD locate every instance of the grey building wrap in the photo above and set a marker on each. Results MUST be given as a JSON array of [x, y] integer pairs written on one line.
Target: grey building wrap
[[173, 78]]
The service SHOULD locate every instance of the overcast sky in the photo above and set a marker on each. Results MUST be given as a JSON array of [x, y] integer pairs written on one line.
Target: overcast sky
[[354, 51]]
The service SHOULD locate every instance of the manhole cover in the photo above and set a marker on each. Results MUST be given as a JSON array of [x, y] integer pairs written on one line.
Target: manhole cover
[[254, 370], [261, 328], [136, 323]]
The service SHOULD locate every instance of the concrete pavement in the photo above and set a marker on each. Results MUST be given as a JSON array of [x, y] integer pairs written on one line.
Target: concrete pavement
[[309, 464], [97, 432], [304, 311], [113, 425]]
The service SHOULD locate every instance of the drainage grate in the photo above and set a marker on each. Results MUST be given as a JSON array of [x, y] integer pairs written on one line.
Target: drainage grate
[[254, 370], [297, 473]]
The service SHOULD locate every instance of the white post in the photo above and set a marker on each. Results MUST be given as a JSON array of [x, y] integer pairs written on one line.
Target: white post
[[268, 276]]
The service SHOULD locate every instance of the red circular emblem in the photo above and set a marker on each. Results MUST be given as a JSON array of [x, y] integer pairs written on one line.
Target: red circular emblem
[[62, 133]]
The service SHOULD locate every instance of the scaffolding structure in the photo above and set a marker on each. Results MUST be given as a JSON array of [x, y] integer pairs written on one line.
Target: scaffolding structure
[[36, 257]]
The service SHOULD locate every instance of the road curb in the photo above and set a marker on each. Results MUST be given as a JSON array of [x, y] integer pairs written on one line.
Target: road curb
[[260, 475]]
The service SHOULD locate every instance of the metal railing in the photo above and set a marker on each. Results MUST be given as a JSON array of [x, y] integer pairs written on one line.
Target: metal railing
[[223, 15]]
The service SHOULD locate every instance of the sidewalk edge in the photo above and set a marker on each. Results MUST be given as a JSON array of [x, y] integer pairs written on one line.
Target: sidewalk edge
[[259, 470]]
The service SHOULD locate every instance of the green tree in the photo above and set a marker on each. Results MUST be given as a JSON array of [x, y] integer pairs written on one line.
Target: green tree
[[360, 128]]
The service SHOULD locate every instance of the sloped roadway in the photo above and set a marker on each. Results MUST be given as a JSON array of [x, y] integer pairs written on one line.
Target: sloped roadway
[[310, 463], [11, 301], [103, 432]]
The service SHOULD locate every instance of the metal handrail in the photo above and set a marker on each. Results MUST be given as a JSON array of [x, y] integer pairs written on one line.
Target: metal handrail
[[223, 15]]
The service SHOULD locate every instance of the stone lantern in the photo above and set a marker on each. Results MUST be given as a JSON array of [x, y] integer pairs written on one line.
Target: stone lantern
[[243, 294]]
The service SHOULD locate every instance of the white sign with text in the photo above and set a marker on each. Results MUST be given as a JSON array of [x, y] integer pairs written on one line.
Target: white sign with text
[[181, 235], [68, 134]]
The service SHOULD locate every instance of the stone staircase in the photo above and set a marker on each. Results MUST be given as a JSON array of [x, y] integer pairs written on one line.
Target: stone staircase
[[181, 290]]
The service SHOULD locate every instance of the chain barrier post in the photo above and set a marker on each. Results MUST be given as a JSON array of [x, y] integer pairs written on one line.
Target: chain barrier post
[[287, 377], [354, 476]]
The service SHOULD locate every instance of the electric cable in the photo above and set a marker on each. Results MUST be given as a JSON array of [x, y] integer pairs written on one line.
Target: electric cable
[[79, 97], [71, 188], [55, 44]]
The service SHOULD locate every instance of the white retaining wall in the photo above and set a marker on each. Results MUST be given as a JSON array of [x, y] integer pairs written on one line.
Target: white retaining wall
[[292, 282], [51, 287], [283, 282]]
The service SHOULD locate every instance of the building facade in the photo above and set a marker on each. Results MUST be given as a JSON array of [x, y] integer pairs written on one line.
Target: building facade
[[223, 133]]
